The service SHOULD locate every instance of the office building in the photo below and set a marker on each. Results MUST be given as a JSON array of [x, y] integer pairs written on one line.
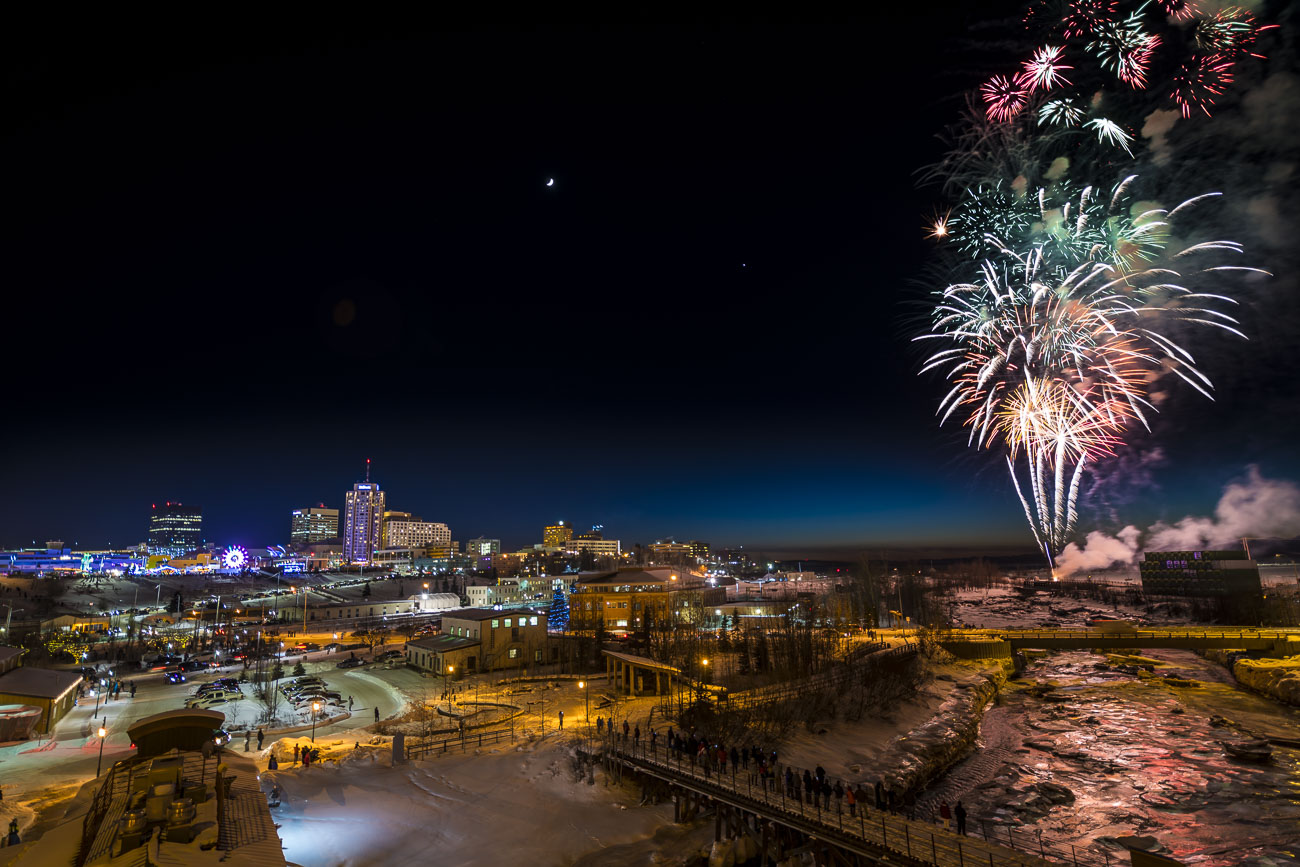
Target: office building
[[175, 529], [599, 547], [699, 550], [313, 524], [1200, 573], [477, 639], [557, 535], [363, 515], [405, 530], [627, 600], [483, 547], [670, 551]]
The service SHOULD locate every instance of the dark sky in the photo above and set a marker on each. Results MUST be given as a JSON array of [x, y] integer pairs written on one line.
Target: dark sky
[[243, 256]]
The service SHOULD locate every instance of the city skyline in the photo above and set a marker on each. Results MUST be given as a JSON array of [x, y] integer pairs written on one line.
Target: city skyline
[[741, 369]]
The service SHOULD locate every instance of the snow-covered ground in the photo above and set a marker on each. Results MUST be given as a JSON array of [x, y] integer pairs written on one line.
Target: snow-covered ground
[[521, 804]]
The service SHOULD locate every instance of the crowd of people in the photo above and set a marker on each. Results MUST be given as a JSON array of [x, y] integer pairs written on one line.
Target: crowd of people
[[763, 769]]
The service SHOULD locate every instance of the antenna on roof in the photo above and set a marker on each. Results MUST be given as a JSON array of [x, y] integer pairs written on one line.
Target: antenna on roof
[[367, 470]]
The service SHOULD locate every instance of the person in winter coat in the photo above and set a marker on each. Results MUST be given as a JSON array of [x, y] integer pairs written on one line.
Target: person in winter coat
[[838, 792], [852, 801], [960, 813], [945, 814], [808, 790]]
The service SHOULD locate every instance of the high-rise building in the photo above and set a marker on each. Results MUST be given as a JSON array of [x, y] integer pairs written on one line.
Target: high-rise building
[[699, 550], [363, 522], [1200, 573], [175, 529], [313, 524], [404, 530], [557, 536], [596, 545], [483, 547]]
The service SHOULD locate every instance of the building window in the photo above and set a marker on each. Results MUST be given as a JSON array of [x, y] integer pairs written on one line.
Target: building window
[[514, 652], [537, 656], [532, 621], [495, 624], [507, 623]]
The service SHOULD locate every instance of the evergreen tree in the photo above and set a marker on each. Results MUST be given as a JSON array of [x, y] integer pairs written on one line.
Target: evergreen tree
[[299, 670], [557, 618]]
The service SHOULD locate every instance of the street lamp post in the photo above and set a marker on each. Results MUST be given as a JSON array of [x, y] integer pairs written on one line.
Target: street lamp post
[[315, 711], [103, 735], [586, 694], [446, 685]]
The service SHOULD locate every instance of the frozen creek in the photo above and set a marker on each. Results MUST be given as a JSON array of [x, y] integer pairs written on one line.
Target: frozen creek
[[1086, 752]]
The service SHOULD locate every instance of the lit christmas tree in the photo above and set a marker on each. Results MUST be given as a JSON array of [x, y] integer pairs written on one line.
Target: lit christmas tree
[[558, 617]]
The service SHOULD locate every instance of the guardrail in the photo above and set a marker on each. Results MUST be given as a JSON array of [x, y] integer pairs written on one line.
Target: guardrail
[[463, 743], [870, 827]]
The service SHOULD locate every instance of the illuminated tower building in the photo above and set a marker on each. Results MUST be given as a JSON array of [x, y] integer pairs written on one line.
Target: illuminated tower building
[[363, 519], [557, 536], [313, 524], [175, 529]]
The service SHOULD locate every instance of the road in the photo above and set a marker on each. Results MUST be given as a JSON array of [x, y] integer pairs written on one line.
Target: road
[[70, 758]]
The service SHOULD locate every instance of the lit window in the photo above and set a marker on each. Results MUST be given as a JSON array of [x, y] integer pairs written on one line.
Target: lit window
[[507, 623], [495, 624], [532, 621], [514, 652]]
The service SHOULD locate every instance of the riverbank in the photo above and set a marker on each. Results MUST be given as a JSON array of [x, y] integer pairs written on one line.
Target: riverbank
[[1279, 679]]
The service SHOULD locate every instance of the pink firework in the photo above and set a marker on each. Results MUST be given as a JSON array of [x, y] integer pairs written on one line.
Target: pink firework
[[1084, 17], [1180, 10], [1044, 70], [1200, 80], [1131, 66], [1230, 33], [1005, 97]]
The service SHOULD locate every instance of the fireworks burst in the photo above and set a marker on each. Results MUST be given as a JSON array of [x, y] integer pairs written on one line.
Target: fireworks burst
[[1200, 81], [1084, 17], [1050, 350], [1112, 133], [1125, 48], [1044, 70], [1005, 97]]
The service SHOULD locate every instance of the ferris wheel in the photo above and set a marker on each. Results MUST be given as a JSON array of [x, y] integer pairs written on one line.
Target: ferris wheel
[[235, 557]]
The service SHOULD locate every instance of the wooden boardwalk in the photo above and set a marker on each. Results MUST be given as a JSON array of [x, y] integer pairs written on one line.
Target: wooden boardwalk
[[872, 835]]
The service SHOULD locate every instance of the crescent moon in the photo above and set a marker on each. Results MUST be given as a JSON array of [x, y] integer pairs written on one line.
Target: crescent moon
[[551, 182]]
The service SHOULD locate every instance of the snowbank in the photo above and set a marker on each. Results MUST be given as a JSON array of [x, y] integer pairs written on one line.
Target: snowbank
[[523, 804]]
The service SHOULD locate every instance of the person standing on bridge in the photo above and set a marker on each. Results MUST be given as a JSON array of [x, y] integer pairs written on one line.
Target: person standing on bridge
[[838, 792], [808, 791], [626, 729], [852, 800], [960, 813], [945, 814]]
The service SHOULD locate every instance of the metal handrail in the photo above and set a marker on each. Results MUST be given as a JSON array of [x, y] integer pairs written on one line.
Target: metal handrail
[[910, 837]]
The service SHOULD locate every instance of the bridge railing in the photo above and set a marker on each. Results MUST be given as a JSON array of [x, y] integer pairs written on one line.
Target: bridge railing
[[999, 846]]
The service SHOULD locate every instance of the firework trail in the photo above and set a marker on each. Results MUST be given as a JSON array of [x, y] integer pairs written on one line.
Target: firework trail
[[1072, 314]]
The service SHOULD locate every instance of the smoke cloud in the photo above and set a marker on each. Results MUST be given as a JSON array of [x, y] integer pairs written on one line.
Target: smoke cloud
[[1253, 507]]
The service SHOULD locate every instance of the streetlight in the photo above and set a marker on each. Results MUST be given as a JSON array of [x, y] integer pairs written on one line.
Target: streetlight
[[315, 709], [582, 685], [103, 735], [446, 685]]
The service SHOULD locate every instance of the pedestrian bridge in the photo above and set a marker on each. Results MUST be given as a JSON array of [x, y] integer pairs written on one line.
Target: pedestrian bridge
[[742, 805], [1129, 637]]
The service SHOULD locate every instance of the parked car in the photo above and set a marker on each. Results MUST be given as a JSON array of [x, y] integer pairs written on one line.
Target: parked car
[[390, 654], [221, 737], [209, 688], [195, 665], [174, 677], [218, 696], [308, 678], [350, 663]]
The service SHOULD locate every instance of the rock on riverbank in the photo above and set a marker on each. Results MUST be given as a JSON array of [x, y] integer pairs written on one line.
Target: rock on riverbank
[[928, 751]]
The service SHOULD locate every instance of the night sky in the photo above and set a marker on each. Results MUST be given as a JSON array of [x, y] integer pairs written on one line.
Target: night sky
[[242, 257]]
